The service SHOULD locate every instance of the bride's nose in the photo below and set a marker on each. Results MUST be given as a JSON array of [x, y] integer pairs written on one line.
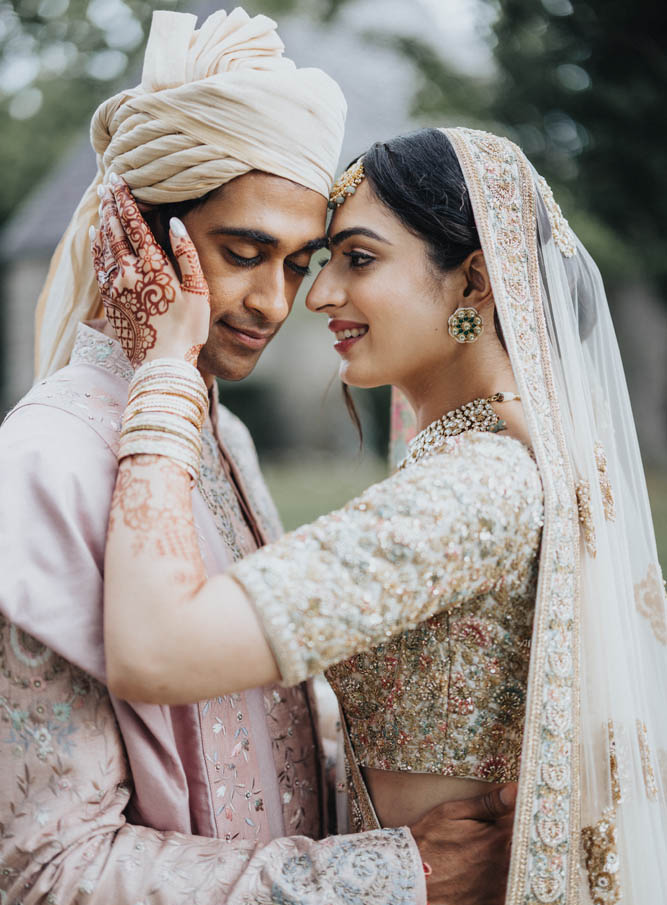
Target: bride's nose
[[326, 292]]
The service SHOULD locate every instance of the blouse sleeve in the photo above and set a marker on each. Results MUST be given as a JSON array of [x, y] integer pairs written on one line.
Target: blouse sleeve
[[433, 535]]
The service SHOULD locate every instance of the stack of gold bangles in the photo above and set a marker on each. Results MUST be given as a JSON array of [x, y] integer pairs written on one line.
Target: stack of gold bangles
[[165, 413]]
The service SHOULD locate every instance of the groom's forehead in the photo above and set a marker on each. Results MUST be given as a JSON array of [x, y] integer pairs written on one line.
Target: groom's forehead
[[280, 210]]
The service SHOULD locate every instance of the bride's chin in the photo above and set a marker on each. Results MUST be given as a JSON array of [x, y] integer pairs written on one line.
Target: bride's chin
[[355, 377]]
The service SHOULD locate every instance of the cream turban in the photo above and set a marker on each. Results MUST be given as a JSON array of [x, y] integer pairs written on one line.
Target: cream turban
[[213, 104]]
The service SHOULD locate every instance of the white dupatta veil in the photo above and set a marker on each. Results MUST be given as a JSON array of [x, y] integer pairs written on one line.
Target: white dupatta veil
[[591, 818]]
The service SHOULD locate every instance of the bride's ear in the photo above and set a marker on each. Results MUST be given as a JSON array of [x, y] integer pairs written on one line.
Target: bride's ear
[[478, 292]]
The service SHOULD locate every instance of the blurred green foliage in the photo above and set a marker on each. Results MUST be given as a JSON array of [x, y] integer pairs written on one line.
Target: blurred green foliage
[[584, 85]]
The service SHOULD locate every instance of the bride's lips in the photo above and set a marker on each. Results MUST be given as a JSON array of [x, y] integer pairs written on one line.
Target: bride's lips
[[251, 339], [356, 332]]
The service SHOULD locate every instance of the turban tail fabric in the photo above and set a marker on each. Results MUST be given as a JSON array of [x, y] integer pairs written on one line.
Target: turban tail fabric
[[213, 104]]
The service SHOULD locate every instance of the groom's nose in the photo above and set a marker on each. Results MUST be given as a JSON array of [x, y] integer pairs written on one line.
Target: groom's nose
[[268, 297]]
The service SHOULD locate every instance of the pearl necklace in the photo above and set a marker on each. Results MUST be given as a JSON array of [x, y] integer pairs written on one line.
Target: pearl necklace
[[477, 415]]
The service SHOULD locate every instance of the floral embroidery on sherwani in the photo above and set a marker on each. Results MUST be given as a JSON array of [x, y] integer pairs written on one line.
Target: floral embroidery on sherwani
[[65, 782]]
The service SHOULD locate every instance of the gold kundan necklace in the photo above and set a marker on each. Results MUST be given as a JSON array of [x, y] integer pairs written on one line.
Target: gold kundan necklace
[[478, 415]]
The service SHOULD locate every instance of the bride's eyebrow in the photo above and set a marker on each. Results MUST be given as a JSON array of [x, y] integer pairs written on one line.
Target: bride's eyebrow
[[356, 231]]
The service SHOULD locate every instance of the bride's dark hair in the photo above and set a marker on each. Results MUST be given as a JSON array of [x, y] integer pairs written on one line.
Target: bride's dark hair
[[419, 179]]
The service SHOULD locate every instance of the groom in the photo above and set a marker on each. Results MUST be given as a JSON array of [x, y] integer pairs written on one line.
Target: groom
[[103, 800]]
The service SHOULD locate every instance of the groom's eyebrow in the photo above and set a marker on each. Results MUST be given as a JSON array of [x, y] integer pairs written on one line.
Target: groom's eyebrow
[[262, 238], [356, 231]]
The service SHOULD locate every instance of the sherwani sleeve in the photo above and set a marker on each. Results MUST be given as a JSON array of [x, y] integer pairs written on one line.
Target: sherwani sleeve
[[64, 778]]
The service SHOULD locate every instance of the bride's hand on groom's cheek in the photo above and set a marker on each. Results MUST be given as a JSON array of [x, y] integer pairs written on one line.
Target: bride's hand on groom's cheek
[[466, 845], [153, 313]]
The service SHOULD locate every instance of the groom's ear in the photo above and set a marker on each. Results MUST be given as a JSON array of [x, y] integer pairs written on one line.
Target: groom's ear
[[478, 291]]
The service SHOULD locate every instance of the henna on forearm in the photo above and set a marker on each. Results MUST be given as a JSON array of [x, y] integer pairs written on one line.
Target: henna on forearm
[[151, 516]]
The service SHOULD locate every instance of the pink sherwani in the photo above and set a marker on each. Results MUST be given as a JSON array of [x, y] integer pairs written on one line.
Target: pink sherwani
[[104, 801]]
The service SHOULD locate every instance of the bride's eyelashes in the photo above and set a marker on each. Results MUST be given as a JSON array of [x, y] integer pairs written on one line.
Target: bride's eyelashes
[[359, 259]]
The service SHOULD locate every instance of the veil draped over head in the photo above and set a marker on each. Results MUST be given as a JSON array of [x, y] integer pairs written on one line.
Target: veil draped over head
[[213, 104], [591, 817]]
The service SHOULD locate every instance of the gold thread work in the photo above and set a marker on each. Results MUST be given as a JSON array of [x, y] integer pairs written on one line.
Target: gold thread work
[[646, 761], [586, 516], [608, 503], [601, 859], [650, 602], [614, 772]]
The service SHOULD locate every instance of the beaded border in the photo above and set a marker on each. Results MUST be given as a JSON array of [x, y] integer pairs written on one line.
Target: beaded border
[[544, 866]]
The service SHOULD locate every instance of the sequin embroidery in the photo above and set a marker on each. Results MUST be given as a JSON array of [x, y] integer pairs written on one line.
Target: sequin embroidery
[[455, 534]]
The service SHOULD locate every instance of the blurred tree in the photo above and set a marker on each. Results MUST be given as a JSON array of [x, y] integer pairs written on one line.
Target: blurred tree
[[581, 85], [584, 83], [58, 60]]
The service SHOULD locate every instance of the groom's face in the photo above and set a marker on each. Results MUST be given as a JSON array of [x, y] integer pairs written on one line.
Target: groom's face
[[255, 238]]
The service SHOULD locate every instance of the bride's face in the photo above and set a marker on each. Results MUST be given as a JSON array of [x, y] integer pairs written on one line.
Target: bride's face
[[380, 285]]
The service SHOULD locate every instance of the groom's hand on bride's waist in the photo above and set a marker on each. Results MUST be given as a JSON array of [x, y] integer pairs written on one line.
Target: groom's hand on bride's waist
[[466, 848]]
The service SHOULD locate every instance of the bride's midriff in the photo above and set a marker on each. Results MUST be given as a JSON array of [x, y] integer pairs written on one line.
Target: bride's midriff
[[402, 798]]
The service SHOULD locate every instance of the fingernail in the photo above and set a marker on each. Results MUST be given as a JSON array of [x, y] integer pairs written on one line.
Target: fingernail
[[177, 227], [100, 191], [92, 232], [508, 795], [113, 178]]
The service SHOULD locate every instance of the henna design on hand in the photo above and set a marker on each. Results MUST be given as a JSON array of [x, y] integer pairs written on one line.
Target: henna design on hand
[[193, 279], [138, 284], [192, 355]]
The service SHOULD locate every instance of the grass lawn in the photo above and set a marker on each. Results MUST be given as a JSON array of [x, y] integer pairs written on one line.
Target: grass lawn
[[313, 487]]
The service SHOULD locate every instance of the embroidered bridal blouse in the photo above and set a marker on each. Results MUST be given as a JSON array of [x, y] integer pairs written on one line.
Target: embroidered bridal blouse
[[434, 569]]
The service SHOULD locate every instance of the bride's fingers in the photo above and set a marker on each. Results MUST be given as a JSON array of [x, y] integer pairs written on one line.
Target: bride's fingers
[[192, 276], [131, 219], [98, 252], [122, 252]]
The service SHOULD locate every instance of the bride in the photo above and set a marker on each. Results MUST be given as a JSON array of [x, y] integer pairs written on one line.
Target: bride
[[496, 603]]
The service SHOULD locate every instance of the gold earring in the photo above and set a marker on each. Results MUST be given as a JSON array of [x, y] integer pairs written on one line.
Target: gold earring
[[466, 325]]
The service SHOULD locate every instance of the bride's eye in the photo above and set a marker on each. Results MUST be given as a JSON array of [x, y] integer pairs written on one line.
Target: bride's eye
[[359, 258]]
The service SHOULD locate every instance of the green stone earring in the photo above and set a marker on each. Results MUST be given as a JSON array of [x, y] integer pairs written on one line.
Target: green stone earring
[[466, 325]]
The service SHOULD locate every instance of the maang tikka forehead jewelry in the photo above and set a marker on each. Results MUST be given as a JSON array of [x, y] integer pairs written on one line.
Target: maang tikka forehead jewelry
[[466, 325], [347, 184]]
